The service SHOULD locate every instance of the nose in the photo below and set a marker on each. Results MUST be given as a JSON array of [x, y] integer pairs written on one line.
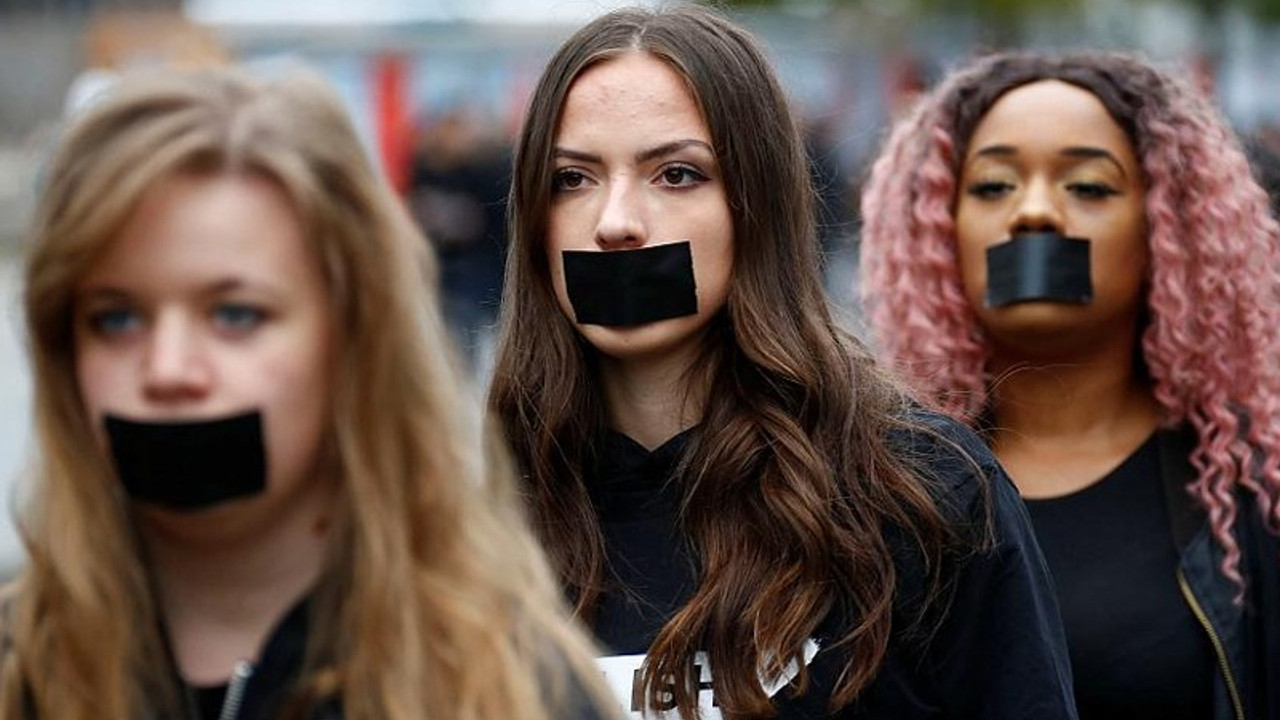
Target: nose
[[175, 367], [1037, 210], [621, 223]]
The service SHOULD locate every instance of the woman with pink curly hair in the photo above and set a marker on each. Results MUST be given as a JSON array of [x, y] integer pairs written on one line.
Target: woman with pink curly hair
[[1071, 254]]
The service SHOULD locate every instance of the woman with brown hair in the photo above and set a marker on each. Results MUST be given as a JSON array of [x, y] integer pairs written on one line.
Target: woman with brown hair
[[751, 519], [262, 490]]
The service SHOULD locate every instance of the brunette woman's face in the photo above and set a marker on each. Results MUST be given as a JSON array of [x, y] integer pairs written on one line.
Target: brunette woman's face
[[635, 167], [1048, 156], [208, 303]]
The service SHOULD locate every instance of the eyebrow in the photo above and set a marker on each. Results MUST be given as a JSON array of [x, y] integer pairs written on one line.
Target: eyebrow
[[100, 293], [1081, 151], [107, 291], [642, 156]]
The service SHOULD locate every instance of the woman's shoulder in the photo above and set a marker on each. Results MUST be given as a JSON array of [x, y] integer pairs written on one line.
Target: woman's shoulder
[[952, 460]]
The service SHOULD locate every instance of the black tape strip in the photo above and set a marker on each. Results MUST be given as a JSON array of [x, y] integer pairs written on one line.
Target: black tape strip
[[189, 465], [1039, 266], [631, 287]]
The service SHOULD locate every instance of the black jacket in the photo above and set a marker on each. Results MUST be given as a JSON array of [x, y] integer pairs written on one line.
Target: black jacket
[[1245, 636], [998, 653], [265, 691], [269, 689]]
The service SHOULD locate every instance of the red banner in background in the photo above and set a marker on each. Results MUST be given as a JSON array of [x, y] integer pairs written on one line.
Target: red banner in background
[[392, 118]]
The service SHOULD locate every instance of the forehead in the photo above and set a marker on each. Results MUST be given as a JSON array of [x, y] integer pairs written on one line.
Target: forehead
[[1050, 112], [188, 225], [635, 92]]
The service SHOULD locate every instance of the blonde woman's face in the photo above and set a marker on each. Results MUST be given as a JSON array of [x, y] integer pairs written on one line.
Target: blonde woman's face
[[634, 168], [1048, 156], [208, 303]]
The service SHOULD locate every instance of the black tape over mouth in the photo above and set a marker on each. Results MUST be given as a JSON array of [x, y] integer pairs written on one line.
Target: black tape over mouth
[[621, 288], [1039, 266], [189, 465]]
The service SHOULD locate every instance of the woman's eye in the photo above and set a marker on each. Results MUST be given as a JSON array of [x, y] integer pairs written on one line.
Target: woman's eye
[[114, 321], [233, 316], [681, 176], [1092, 191], [567, 180], [990, 189]]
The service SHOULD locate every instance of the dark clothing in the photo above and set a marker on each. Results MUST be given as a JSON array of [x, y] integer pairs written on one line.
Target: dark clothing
[[270, 683], [1245, 636], [998, 653], [1142, 539], [461, 207], [1141, 654], [270, 688]]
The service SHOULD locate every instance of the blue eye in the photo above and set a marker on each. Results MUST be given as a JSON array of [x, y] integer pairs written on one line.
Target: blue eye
[[114, 321], [233, 316]]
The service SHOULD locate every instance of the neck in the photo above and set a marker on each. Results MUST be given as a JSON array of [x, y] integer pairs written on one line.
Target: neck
[[1061, 426], [650, 399], [221, 597]]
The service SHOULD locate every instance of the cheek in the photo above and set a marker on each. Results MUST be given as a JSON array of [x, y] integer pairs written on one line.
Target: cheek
[[297, 404], [556, 267], [972, 237], [713, 254], [971, 262], [101, 383], [712, 274], [93, 385], [1123, 262]]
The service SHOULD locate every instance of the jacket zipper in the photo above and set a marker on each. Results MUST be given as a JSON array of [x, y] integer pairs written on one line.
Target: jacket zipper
[[1218, 650], [235, 690]]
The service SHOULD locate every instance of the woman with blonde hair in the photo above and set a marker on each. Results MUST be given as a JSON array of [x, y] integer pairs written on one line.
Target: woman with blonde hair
[[754, 522], [1071, 254], [262, 489]]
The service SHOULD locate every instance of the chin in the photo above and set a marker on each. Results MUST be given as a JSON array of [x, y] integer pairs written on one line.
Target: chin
[[653, 340], [216, 523], [1035, 316]]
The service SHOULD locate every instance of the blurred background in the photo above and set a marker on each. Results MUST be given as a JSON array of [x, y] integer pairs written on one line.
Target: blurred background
[[437, 89]]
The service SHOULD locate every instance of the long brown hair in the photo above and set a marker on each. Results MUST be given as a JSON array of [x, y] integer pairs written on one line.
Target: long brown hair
[[434, 601], [790, 481]]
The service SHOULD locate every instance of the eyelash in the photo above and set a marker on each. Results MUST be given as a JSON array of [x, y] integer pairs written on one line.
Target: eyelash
[[110, 322], [231, 317], [239, 317], [1083, 190], [989, 190], [1092, 191], [688, 172], [560, 177], [570, 179]]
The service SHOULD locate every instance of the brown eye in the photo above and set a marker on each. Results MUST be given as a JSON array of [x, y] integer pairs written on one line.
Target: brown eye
[[1092, 191], [989, 190], [681, 176], [567, 180]]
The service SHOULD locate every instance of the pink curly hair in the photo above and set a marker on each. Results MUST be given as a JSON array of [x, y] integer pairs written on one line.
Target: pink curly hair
[[1213, 338]]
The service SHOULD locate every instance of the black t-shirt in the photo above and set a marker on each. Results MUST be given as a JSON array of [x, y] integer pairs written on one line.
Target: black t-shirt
[[652, 571], [209, 701], [1137, 650], [999, 653]]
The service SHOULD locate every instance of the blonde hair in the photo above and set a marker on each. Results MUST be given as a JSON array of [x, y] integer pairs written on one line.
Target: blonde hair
[[434, 600]]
